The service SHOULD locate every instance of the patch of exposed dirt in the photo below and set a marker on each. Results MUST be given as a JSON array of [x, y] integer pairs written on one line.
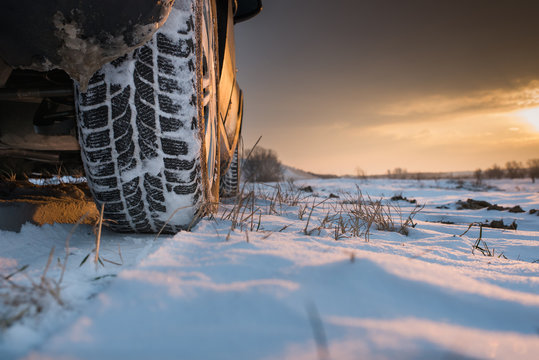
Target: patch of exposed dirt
[[498, 224], [472, 204], [399, 197], [22, 202]]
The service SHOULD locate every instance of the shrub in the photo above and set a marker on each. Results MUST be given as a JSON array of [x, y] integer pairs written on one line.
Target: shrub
[[262, 166]]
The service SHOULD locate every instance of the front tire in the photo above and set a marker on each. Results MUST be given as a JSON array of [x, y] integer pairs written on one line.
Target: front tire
[[147, 127]]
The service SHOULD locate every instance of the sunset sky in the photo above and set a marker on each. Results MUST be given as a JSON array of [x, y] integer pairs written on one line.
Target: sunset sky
[[378, 84]]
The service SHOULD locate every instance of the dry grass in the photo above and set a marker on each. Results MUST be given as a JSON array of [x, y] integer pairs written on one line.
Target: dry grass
[[319, 332], [98, 236], [480, 244], [7, 176], [357, 215], [98, 226], [22, 296], [28, 298]]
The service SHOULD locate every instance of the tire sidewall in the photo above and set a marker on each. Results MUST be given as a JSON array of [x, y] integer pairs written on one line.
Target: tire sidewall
[[211, 186]]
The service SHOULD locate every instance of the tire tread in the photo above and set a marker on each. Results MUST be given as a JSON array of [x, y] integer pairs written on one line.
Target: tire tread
[[130, 120]]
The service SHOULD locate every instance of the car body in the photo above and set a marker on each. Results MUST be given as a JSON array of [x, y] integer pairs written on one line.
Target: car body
[[78, 37], [50, 48]]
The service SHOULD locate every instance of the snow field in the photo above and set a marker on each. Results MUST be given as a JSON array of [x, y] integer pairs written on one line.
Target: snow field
[[257, 282]]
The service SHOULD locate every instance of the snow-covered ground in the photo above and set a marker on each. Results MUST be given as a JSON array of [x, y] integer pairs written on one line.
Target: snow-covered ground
[[280, 286]]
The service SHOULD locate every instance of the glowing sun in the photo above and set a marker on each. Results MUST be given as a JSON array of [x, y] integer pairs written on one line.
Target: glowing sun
[[531, 116]]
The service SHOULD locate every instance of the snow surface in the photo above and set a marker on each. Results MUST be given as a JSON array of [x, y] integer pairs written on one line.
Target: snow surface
[[278, 293]]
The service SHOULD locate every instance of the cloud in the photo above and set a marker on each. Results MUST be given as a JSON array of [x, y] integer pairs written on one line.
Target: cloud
[[442, 106]]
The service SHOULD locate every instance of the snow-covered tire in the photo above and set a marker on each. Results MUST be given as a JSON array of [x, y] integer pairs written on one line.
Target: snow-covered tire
[[147, 127], [230, 181]]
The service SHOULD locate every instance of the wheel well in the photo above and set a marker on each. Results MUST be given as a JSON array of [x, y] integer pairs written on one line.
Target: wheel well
[[222, 25]]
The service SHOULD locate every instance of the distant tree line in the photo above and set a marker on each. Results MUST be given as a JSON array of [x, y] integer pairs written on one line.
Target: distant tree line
[[263, 165], [513, 170]]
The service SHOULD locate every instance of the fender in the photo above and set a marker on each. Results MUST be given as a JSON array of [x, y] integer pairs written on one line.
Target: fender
[[229, 95], [76, 36]]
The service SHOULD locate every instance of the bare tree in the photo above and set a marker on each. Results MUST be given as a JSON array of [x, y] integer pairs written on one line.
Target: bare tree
[[495, 172], [400, 173], [478, 174], [533, 169], [514, 169], [360, 173], [262, 166]]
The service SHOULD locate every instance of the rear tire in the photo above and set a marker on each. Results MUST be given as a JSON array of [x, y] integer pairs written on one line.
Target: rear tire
[[147, 127], [230, 182]]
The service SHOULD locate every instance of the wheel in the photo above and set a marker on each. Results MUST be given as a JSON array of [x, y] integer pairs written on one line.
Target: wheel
[[230, 181], [148, 127]]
